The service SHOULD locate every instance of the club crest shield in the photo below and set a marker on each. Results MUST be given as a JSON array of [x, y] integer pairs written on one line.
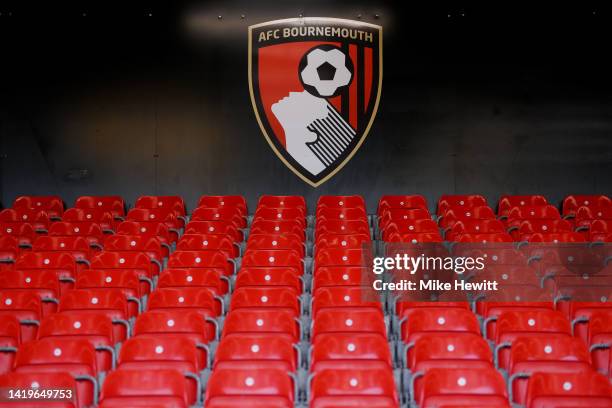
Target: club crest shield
[[315, 85]]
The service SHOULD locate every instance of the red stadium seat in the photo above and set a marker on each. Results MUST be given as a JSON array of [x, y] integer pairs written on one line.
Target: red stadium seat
[[149, 229], [349, 320], [572, 203], [457, 214], [462, 387], [555, 237], [59, 356], [349, 350], [276, 298], [388, 202], [508, 202], [410, 227], [600, 230], [10, 338], [209, 242], [465, 201], [475, 226], [340, 276], [273, 258], [195, 299], [128, 281], [43, 283], [341, 227], [102, 217], [353, 201], [271, 227], [542, 212], [62, 264], [229, 214], [353, 387], [76, 246], [95, 328], [568, 390], [9, 250], [38, 219], [344, 297], [52, 205], [147, 244], [265, 350], [347, 214], [45, 381], [165, 215], [419, 322], [547, 353], [281, 214], [137, 262], [163, 353], [176, 324], [211, 279], [174, 203], [214, 227], [268, 201], [346, 241], [342, 257], [216, 260], [262, 321], [23, 232], [415, 238], [544, 226], [113, 204], [248, 386], [224, 201], [269, 277], [91, 231], [108, 302], [277, 241], [24, 305], [144, 388], [397, 214]]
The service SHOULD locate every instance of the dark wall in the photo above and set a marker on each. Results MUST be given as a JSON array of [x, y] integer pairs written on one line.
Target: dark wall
[[104, 98]]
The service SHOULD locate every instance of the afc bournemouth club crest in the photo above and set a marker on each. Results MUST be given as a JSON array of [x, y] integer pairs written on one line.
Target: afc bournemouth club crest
[[315, 86]]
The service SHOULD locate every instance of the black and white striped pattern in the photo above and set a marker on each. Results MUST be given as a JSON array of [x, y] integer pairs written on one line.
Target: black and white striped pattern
[[334, 137]]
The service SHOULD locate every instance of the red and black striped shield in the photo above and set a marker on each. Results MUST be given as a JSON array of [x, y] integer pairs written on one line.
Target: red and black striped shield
[[315, 85]]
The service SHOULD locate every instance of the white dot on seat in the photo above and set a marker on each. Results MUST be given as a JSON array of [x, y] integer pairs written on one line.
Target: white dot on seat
[[267, 277], [341, 203], [341, 216], [586, 202], [159, 349], [522, 203], [544, 227], [517, 298], [353, 382], [345, 258], [255, 348], [348, 322], [152, 216], [347, 298], [494, 257], [461, 381], [555, 241], [211, 229], [28, 279], [108, 279], [170, 323], [77, 229], [8, 302], [94, 301], [198, 260], [259, 322], [143, 229], [249, 381], [531, 322], [350, 347], [161, 203], [264, 299], [99, 203], [189, 279], [88, 216], [181, 299], [34, 384], [46, 261], [277, 228], [57, 352], [603, 299], [461, 202], [547, 349], [450, 348], [205, 243], [274, 243], [9, 230], [441, 320], [121, 260], [279, 215], [271, 259], [414, 241], [133, 243], [76, 325], [343, 243], [345, 277], [504, 276], [567, 386]]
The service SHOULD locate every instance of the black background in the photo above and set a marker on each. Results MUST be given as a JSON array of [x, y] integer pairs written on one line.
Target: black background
[[152, 98]]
